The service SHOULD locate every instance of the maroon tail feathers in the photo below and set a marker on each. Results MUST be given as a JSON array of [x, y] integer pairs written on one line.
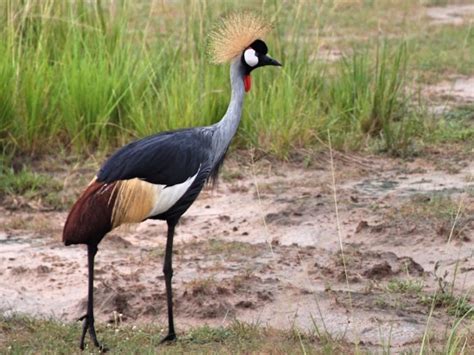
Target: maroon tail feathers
[[90, 219]]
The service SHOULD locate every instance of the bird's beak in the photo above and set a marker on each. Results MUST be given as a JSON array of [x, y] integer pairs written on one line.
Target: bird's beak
[[266, 60], [262, 61]]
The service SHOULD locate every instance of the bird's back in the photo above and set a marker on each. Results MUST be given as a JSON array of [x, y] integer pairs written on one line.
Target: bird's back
[[166, 158]]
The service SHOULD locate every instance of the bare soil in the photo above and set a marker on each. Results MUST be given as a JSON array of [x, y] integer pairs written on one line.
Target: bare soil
[[265, 247], [459, 90], [449, 15]]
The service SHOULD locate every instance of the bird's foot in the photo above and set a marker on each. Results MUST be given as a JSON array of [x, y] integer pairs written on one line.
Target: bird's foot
[[169, 338], [88, 323]]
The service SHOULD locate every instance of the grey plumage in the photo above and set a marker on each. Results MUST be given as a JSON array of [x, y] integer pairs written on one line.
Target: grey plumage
[[226, 128]]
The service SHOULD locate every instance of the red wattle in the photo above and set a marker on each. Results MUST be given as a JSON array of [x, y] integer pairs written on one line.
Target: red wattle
[[247, 82]]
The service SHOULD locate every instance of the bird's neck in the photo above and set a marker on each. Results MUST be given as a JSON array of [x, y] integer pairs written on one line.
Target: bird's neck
[[227, 126]]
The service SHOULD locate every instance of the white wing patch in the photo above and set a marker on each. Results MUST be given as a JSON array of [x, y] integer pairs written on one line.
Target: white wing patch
[[250, 58], [167, 196]]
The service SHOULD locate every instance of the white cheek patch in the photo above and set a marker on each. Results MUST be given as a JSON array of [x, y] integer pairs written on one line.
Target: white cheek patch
[[250, 58]]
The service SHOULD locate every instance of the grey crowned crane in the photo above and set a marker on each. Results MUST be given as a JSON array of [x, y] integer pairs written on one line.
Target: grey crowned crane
[[160, 176]]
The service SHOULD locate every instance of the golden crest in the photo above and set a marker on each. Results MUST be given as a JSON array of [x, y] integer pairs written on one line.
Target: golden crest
[[234, 34]]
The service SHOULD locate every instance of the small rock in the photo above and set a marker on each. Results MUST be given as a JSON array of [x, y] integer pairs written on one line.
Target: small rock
[[378, 271], [245, 304], [43, 269], [362, 225], [18, 270]]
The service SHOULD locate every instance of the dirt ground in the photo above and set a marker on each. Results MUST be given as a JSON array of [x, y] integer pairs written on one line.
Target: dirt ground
[[265, 247]]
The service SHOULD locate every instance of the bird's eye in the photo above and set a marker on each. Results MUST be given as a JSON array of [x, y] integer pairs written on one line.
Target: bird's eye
[[250, 58]]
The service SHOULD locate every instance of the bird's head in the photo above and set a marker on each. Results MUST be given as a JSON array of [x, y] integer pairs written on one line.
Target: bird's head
[[253, 57], [239, 37]]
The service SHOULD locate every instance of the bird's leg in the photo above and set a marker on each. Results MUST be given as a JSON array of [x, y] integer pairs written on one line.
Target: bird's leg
[[88, 319], [168, 272]]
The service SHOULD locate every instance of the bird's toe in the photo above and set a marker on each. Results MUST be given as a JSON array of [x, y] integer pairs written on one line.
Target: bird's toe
[[169, 338]]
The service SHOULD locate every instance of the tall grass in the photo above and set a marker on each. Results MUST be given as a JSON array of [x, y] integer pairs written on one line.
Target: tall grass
[[84, 75], [368, 98]]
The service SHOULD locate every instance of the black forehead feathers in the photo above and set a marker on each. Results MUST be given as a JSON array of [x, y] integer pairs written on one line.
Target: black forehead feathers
[[259, 46]]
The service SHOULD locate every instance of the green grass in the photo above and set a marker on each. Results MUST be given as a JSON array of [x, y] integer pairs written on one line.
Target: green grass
[[32, 186], [449, 52], [83, 75], [455, 306], [367, 99], [405, 286], [21, 334], [455, 125]]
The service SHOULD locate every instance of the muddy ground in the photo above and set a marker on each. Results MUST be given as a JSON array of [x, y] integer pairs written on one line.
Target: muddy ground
[[265, 247]]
